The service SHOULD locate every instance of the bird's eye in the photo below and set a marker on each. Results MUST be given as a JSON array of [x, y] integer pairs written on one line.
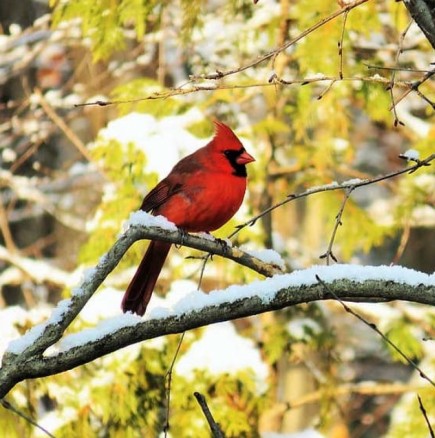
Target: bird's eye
[[233, 153]]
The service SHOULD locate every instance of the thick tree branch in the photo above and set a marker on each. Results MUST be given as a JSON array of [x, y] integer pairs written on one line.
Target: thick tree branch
[[19, 367], [45, 335], [67, 310], [423, 12]]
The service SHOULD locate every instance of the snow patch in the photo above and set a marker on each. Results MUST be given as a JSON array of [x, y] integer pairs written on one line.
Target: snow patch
[[411, 154], [103, 329], [148, 220], [164, 141], [222, 350], [297, 328], [269, 256], [18, 346]]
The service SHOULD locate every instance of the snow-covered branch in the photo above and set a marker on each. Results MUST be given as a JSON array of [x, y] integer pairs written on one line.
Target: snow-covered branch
[[31, 346], [350, 283]]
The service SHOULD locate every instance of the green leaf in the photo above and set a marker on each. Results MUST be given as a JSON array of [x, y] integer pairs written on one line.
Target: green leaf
[[401, 334]]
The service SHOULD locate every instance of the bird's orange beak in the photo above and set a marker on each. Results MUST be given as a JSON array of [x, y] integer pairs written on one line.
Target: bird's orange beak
[[244, 158]]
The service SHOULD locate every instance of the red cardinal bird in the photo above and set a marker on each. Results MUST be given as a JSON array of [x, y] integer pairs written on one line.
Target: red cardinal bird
[[201, 193]]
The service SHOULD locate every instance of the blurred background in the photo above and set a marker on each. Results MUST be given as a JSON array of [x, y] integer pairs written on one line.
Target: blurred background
[[335, 106]]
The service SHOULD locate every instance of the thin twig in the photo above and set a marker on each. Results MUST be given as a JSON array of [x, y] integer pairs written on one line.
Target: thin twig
[[272, 81], [425, 98], [329, 254], [334, 186], [403, 242], [7, 405], [423, 411], [340, 44], [375, 328], [274, 78], [381, 67], [413, 86], [216, 431], [206, 258], [322, 94], [273, 53], [168, 378], [393, 74], [59, 122]]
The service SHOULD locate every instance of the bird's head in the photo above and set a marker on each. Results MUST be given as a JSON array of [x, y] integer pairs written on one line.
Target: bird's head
[[226, 144]]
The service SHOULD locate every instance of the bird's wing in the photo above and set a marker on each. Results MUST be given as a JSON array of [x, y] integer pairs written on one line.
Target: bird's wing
[[175, 182], [160, 194]]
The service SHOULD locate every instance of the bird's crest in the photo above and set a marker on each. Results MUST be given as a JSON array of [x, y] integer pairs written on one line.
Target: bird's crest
[[224, 137]]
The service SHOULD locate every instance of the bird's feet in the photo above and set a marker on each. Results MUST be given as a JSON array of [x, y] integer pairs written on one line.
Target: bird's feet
[[183, 235], [221, 242]]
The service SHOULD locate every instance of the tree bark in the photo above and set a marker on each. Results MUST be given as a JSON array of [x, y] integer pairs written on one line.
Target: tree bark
[[423, 13]]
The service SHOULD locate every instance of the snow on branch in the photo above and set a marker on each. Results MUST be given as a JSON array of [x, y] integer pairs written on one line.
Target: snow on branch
[[31, 347], [347, 282]]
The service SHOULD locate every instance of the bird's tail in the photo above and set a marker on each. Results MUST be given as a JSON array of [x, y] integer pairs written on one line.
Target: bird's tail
[[138, 293]]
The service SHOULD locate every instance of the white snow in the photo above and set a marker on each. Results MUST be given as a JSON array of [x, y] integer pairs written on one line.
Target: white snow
[[382, 212], [8, 155], [104, 304], [352, 181], [340, 144], [17, 346], [297, 327], [104, 328], [424, 216], [377, 77], [196, 300], [206, 236], [425, 181], [411, 154], [148, 220], [55, 420], [266, 289], [331, 185], [40, 270], [222, 350], [103, 311], [164, 141], [416, 124], [88, 273], [265, 255], [11, 318], [313, 76]]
